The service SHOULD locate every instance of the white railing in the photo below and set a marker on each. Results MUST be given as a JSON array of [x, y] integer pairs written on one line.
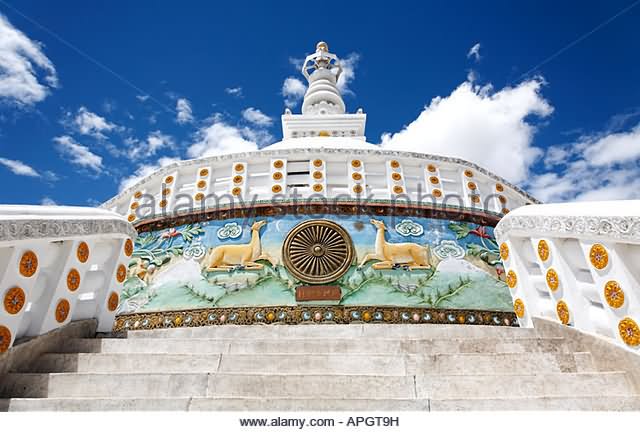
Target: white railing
[[578, 263], [57, 265]]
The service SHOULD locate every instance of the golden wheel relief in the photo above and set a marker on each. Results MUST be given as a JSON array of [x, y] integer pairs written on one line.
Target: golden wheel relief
[[28, 264], [543, 250], [553, 280], [512, 279], [504, 251], [614, 294], [629, 331], [62, 310], [73, 280], [318, 251], [5, 338], [598, 256], [14, 300], [562, 310], [518, 308]]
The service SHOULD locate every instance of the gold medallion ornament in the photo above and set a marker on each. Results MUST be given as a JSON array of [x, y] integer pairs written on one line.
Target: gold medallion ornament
[[121, 273], [202, 184], [504, 251], [278, 164], [475, 199], [204, 172], [134, 205], [166, 191], [472, 185], [505, 210], [317, 163], [357, 189], [502, 199], [168, 179], [82, 253], [356, 163], [396, 176], [543, 250], [468, 173], [562, 310], [276, 189], [237, 179], [518, 307], [162, 203], [553, 281], [317, 188], [137, 195], [5, 338], [394, 164], [238, 168], [277, 176], [598, 256], [499, 187], [398, 189], [14, 300], [512, 279], [131, 217], [356, 176], [236, 191], [436, 193], [199, 196], [62, 310], [613, 294], [434, 180], [629, 331], [112, 302], [317, 175], [431, 168], [318, 251], [73, 280], [128, 247], [28, 264]]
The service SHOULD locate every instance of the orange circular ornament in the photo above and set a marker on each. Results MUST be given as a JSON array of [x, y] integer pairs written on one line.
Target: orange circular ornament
[[613, 294], [202, 184], [5, 338], [62, 310], [394, 164], [512, 279], [237, 179], [357, 189], [131, 217], [504, 251], [468, 173], [317, 187], [317, 175], [434, 180], [629, 331], [598, 256], [162, 203], [121, 273], [137, 195], [562, 310], [278, 164], [553, 281], [317, 163], [472, 185], [166, 191], [356, 176], [239, 167], [112, 302], [73, 280], [431, 168], [356, 163], [168, 179], [199, 196], [396, 176], [28, 264], [436, 193], [277, 176], [14, 300], [543, 250], [276, 189], [518, 307], [236, 191], [204, 172], [499, 187], [128, 247], [475, 199], [502, 199], [82, 252], [134, 205], [398, 189], [505, 210]]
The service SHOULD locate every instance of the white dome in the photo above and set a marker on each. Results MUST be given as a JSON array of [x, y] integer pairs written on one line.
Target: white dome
[[322, 142]]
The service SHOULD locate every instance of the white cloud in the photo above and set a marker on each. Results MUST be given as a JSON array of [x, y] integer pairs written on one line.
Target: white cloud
[[219, 137], [492, 129], [348, 74], [19, 168], [77, 153], [185, 113], [142, 98], [20, 60], [234, 91], [475, 52], [46, 201], [145, 170], [598, 167], [257, 117], [293, 91], [154, 142], [88, 123]]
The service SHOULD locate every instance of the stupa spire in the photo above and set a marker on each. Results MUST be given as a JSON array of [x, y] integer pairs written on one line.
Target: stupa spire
[[322, 70]]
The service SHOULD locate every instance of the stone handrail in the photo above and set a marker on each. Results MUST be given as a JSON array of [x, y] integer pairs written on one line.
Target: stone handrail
[[576, 263], [57, 265]]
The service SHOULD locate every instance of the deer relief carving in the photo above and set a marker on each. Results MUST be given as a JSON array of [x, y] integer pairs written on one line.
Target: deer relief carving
[[390, 255], [228, 257]]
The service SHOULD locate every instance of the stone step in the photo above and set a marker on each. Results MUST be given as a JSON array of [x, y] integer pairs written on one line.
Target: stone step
[[612, 403], [331, 331], [315, 346], [318, 364], [74, 385]]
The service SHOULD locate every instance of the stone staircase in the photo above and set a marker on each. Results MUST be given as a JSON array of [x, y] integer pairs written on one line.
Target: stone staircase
[[321, 367]]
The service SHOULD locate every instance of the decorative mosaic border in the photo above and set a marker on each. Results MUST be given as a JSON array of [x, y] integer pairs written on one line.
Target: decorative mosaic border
[[282, 315], [30, 229], [314, 208], [607, 228], [307, 151]]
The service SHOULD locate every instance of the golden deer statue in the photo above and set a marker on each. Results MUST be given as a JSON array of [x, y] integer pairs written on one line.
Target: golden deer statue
[[229, 256], [412, 255]]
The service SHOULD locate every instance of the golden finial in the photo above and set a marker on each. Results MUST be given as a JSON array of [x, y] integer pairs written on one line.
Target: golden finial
[[322, 46]]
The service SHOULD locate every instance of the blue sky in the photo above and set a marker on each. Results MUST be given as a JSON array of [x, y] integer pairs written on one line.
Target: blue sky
[[94, 93]]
